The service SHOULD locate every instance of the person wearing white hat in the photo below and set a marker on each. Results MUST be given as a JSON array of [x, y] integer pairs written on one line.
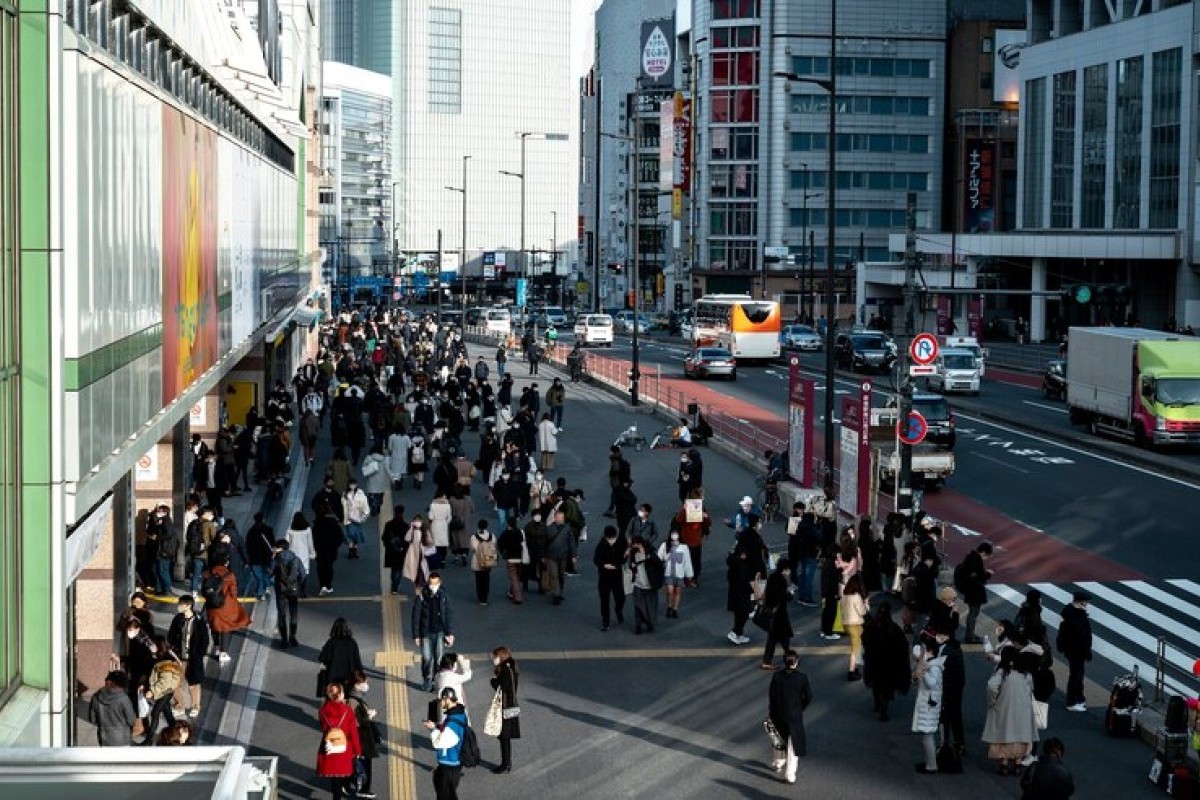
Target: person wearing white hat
[[740, 521]]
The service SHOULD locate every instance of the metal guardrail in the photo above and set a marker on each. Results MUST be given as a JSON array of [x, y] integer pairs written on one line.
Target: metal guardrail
[[1164, 666]]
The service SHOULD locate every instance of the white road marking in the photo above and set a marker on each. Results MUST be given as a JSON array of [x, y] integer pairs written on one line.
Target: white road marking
[[1186, 585], [1080, 451], [1100, 646], [1119, 600], [1001, 463], [1169, 600], [964, 530], [1058, 409]]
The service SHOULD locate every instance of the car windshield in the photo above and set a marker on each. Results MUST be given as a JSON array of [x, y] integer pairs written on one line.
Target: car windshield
[[598, 322], [1178, 391], [800, 330], [933, 409], [714, 353], [497, 315], [959, 361], [869, 342]]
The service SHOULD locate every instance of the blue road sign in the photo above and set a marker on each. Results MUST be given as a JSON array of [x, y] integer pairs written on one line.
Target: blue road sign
[[913, 428]]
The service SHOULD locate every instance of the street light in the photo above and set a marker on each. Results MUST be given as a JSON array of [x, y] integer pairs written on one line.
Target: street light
[[462, 261], [523, 135], [554, 256], [830, 86], [634, 277]]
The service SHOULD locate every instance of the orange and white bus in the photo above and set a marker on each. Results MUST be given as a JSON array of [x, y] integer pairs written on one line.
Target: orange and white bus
[[746, 327]]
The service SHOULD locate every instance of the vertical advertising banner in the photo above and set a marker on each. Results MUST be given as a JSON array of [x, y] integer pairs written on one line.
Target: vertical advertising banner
[[854, 485], [189, 242], [666, 148], [658, 53], [945, 325], [979, 174], [975, 317], [800, 423]]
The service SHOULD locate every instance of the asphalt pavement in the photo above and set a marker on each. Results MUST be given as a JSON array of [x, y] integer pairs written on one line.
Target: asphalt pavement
[[609, 714]]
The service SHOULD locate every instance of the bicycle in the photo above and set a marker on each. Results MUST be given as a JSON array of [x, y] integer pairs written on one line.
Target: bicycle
[[630, 438], [768, 498]]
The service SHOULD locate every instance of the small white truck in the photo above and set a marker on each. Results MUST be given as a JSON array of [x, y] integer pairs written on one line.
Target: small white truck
[[931, 465]]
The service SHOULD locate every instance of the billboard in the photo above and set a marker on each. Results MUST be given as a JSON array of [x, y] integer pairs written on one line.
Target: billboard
[[658, 53], [1006, 79], [189, 241], [979, 179]]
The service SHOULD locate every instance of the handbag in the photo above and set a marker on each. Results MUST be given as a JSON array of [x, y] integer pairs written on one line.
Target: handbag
[[777, 742], [494, 722], [762, 617], [512, 712], [838, 627], [143, 707], [1041, 714]]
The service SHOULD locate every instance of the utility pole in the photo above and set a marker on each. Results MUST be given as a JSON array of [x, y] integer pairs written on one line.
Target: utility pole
[[462, 262], [596, 218], [635, 372], [438, 282], [554, 256], [904, 491]]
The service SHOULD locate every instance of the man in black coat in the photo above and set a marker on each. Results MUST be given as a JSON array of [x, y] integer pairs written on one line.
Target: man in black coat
[[954, 681], [189, 639], [432, 626], [260, 550], [788, 697], [971, 578], [1075, 643], [624, 504], [609, 558], [328, 537], [689, 477], [1048, 778]]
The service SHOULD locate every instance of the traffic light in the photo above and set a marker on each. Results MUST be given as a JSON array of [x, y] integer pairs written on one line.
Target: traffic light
[[1080, 293], [1119, 293]]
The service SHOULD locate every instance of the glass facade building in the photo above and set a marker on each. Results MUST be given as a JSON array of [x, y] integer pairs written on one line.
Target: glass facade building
[[359, 33]]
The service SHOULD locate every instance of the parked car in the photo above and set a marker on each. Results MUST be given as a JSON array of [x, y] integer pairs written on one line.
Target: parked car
[[866, 351], [707, 362], [1054, 380], [800, 337]]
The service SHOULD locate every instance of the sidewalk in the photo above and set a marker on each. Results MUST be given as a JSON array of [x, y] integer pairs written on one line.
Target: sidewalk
[[594, 698]]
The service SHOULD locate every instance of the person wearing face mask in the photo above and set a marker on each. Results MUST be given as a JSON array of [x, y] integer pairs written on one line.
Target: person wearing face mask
[[368, 738], [535, 541], [432, 626], [357, 508], [454, 671], [677, 563], [643, 526], [609, 558], [188, 637], [505, 677]]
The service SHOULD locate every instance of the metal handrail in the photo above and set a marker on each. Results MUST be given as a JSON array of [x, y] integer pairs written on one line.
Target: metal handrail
[[1163, 663]]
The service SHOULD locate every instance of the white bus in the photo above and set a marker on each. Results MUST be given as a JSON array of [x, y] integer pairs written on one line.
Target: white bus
[[747, 328]]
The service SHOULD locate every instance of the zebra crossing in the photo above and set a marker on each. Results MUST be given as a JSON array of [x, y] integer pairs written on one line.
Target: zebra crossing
[[1128, 618]]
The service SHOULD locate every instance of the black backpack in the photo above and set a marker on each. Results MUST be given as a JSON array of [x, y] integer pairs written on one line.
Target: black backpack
[[468, 754], [210, 588], [289, 577]]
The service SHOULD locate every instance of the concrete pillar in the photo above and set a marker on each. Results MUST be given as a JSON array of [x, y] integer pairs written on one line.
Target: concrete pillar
[[1037, 303]]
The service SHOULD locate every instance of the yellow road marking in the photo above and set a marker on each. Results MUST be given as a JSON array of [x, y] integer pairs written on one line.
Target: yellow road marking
[[394, 660], [330, 598]]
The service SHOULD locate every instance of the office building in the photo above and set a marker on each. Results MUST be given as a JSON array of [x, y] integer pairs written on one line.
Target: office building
[[474, 84], [163, 202], [356, 120], [761, 141], [358, 33]]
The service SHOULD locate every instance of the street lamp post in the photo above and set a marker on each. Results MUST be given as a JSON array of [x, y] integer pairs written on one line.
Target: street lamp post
[[523, 135], [634, 278], [554, 256], [830, 86], [462, 262]]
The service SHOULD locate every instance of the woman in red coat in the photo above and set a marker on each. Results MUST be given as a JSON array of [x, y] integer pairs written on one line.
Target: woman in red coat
[[338, 765], [693, 535]]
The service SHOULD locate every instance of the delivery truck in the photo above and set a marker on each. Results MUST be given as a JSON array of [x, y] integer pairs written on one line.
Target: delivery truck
[[931, 465], [1134, 383]]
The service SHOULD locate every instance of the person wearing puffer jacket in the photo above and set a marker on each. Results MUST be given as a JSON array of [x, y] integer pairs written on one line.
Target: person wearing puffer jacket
[[165, 678], [927, 710]]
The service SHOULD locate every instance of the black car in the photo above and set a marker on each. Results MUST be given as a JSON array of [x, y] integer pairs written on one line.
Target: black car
[[863, 352], [937, 414], [1054, 380]]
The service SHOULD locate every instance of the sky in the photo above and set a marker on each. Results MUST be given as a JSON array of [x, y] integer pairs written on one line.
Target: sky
[[582, 20]]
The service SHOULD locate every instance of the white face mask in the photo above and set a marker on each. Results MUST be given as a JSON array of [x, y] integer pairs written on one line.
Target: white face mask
[[433, 587], [496, 661], [674, 539], [642, 514], [132, 634], [362, 687]]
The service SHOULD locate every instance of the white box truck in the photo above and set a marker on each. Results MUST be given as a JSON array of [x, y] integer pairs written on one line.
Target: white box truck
[[1138, 384]]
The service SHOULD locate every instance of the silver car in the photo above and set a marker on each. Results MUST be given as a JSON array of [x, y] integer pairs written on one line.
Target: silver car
[[707, 362], [800, 337]]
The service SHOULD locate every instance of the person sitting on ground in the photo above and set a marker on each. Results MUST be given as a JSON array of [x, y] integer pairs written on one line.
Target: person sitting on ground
[[681, 435]]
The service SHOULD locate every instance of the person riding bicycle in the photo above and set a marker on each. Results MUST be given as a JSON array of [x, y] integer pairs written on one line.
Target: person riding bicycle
[[551, 335], [575, 361]]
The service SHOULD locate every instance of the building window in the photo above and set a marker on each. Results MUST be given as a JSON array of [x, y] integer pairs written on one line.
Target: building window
[[735, 69], [732, 254], [1034, 105], [445, 60], [10, 485], [734, 105], [1095, 146], [735, 37], [1127, 179], [875, 105], [871, 181], [864, 67], [1165, 139], [861, 143], [734, 144], [734, 180], [1062, 158], [735, 9]]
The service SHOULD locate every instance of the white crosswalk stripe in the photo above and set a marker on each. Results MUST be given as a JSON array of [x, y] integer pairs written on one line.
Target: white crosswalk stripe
[[1128, 617]]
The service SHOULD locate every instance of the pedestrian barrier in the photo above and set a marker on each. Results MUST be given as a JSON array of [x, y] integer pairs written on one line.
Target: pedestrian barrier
[[1166, 667]]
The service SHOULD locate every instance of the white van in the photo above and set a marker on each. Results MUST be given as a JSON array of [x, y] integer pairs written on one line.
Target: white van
[[967, 343], [594, 329], [957, 371], [498, 321]]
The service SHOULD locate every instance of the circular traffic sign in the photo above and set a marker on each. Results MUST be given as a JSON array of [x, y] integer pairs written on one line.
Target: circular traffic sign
[[913, 428], [923, 349]]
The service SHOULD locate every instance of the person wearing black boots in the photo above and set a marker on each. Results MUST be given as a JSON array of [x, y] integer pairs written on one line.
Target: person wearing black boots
[[505, 677], [831, 581]]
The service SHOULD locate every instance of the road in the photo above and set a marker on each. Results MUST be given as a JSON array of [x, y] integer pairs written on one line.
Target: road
[[1062, 517]]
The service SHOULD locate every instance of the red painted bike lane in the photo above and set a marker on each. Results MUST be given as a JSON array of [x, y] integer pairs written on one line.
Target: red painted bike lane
[[1023, 554]]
